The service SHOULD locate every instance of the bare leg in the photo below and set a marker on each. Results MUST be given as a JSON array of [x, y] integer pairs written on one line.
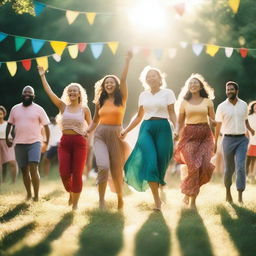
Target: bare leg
[[102, 189], [229, 196], [70, 200], [27, 181], [46, 166], [75, 198], [186, 199], [240, 196], [35, 177], [119, 192], [192, 202], [154, 189], [14, 170], [4, 172]]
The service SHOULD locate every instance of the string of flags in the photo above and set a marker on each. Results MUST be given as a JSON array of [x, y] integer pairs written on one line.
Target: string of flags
[[71, 15]]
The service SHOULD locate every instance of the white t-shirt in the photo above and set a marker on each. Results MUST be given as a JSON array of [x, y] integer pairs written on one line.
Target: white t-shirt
[[155, 105], [232, 117], [252, 122], [2, 130]]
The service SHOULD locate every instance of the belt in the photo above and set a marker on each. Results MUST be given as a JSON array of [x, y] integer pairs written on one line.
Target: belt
[[157, 118], [234, 135]]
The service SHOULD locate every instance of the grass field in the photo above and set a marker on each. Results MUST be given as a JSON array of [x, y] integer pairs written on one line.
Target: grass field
[[48, 227]]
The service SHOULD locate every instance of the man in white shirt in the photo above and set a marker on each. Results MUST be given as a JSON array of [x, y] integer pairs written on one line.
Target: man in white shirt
[[231, 118]]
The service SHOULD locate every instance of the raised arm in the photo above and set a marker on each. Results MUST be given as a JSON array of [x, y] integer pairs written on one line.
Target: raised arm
[[123, 83], [53, 97], [133, 122]]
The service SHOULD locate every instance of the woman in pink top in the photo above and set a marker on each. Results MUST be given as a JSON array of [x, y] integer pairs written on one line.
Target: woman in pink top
[[195, 147], [72, 152]]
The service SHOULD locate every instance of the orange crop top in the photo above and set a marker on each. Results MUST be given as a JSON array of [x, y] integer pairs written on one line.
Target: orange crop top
[[111, 114]]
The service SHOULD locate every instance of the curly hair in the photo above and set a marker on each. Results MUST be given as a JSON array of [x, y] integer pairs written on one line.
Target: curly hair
[[143, 77], [2, 108], [251, 106], [101, 95]]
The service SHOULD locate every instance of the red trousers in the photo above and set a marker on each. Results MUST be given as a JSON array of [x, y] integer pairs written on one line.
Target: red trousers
[[72, 153]]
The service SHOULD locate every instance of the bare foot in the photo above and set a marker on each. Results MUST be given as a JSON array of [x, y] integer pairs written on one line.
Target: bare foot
[[70, 200], [186, 200], [102, 205], [229, 198], [120, 204], [35, 199], [193, 206], [74, 208], [28, 197]]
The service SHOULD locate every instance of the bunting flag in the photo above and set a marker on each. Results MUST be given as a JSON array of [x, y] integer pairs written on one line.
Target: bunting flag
[[38, 8], [71, 16], [12, 67], [43, 62], [228, 51], [172, 53], [58, 46], [180, 8], [212, 49], [82, 47], [56, 57], [113, 46], [183, 44], [37, 45], [243, 52], [234, 4], [2, 36], [26, 64], [90, 17], [96, 49], [19, 42], [146, 52], [197, 48], [158, 53], [73, 51]]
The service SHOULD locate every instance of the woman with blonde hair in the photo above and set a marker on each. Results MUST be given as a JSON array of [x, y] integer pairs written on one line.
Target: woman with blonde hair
[[196, 145], [110, 151], [147, 164], [74, 119]]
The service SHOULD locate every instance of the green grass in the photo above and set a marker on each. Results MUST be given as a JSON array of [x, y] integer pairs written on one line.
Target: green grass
[[48, 227]]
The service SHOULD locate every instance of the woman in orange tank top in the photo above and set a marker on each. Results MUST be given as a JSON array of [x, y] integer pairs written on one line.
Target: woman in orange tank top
[[110, 151]]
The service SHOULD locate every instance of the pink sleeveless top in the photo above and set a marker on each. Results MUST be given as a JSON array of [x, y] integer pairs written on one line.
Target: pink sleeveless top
[[74, 121]]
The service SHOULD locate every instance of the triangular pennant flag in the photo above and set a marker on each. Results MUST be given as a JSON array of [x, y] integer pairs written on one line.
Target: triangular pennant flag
[[113, 46], [2, 36], [43, 62], [234, 4], [158, 53], [146, 52], [71, 16], [90, 17], [38, 8], [228, 51], [82, 47], [180, 8], [58, 46], [172, 52], [212, 49], [243, 52], [96, 49], [197, 49], [19, 42], [73, 51], [26, 64], [37, 44], [12, 67], [56, 57], [183, 44]]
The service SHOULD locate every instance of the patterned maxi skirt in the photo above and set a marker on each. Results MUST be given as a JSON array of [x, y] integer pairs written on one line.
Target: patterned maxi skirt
[[151, 155], [195, 149]]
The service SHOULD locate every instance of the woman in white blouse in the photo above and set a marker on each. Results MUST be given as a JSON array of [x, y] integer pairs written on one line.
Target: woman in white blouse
[[150, 157]]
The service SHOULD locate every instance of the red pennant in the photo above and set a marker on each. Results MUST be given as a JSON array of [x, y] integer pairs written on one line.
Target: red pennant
[[180, 8], [26, 64], [82, 46], [146, 52], [243, 52]]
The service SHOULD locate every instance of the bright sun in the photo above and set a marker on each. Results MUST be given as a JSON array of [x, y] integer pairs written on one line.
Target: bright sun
[[148, 14]]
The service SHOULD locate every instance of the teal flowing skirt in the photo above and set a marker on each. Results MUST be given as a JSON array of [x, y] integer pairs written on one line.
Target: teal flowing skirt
[[151, 155]]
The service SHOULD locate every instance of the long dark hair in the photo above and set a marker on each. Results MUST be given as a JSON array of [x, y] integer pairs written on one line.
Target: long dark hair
[[101, 95], [251, 111], [203, 93]]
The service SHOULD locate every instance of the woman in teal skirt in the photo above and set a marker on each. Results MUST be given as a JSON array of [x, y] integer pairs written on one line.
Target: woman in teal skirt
[[150, 157]]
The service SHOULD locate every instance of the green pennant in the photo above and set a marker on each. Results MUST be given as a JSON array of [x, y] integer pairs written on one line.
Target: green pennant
[[19, 42]]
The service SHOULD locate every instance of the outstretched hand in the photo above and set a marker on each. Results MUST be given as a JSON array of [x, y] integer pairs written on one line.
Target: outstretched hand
[[41, 70]]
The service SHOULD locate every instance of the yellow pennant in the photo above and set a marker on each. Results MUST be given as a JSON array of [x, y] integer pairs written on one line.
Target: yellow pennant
[[113, 46], [71, 16], [90, 17], [73, 51], [234, 4], [212, 49], [12, 67], [58, 46], [43, 62]]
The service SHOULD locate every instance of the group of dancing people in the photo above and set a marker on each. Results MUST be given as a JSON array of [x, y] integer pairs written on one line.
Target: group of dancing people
[[145, 165]]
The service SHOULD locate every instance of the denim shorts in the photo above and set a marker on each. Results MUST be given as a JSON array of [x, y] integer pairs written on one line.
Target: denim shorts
[[27, 153]]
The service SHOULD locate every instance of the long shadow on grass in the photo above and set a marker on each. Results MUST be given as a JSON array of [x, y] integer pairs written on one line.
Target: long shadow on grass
[[242, 230], [44, 246], [18, 209], [15, 237], [103, 235], [153, 238], [192, 235]]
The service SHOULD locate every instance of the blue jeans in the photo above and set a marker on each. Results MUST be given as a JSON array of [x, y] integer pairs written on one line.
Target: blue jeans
[[234, 152]]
